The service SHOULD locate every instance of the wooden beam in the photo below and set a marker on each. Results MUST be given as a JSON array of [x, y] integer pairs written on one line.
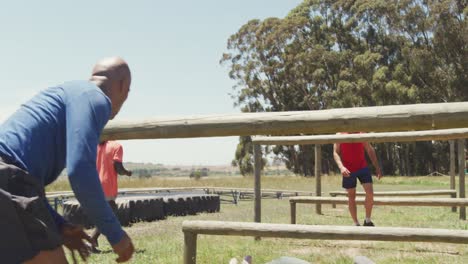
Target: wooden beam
[[400, 193], [326, 232], [409, 136], [461, 175], [394, 201], [257, 183], [378, 118], [452, 170]]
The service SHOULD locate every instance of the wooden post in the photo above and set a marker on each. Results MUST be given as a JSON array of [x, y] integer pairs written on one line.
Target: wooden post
[[257, 183], [452, 170], [318, 180], [461, 175], [292, 206], [190, 248], [333, 205]]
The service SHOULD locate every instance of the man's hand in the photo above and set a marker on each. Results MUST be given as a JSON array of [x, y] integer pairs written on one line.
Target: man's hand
[[129, 173], [124, 249], [379, 174], [74, 238], [345, 172]]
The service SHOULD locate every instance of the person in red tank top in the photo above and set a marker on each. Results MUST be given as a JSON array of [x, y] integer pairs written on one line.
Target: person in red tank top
[[109, 163], [352, 163]]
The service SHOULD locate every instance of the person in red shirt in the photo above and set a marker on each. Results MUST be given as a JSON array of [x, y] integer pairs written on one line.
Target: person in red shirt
[[352, 163], [109, 164]]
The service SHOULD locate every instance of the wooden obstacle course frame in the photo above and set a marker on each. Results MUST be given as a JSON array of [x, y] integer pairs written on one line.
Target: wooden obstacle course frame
[[393, 201], [192, 229], [376, 118], [442, 134]]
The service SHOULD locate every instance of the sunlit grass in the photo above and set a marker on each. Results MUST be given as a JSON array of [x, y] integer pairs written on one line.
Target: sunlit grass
[[162, 241]]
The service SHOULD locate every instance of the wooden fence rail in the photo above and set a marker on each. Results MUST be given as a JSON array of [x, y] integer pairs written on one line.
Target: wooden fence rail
[[377, 118], [393, 201], [192, 229]]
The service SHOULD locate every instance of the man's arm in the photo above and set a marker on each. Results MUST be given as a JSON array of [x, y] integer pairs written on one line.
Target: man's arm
[[118, 160], [373, 157], [86, 115], [120, 169], [58, 219], [336, 155]]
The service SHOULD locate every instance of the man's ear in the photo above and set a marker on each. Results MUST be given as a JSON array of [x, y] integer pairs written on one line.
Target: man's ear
[[121, 86]]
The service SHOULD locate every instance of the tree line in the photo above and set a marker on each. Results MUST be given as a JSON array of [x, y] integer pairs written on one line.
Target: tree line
[[350, 53]]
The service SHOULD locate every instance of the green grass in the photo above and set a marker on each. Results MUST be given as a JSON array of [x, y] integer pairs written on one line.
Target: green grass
[[162, 241]]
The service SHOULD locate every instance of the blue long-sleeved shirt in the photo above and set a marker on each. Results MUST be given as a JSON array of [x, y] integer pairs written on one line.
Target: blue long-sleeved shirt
[[60, 127]]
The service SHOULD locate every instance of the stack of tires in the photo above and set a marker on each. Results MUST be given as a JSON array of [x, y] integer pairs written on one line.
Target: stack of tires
[[136, 208]]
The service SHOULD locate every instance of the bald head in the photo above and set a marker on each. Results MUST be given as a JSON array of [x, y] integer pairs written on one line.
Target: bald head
[[113, 76], [112, 68]]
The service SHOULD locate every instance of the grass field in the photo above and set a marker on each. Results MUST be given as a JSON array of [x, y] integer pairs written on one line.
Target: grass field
[[162, 241]]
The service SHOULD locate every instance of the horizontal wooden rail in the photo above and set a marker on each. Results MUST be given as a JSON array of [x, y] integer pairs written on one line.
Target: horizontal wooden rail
[[400, 193], [451, 193], [378, 118], [193, 228], [397, 201], [408, 136], [394, 201]]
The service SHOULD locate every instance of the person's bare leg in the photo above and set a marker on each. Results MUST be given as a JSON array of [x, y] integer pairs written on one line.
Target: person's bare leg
[[55, 256], [352, 204], [369, 202]]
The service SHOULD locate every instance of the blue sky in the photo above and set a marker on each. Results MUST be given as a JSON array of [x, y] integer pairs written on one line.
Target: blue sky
[[173, 48]]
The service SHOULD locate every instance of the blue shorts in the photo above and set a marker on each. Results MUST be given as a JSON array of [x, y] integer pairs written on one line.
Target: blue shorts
[[363, 175]]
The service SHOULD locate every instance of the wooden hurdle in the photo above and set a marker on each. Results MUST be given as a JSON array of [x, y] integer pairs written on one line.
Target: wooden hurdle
[[317, 140], [394, 201], [377, 118], [451, 193], [192, 229]]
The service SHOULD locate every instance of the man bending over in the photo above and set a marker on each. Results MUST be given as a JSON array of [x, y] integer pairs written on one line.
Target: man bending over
[[59, 127]]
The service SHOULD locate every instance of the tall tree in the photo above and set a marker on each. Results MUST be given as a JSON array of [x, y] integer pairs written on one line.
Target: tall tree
[[347, 53]]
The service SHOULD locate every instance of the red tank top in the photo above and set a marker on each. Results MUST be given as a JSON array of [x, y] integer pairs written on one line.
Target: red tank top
[[352, 156]]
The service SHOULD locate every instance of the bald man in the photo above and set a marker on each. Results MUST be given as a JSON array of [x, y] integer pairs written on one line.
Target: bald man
[[59, 128]]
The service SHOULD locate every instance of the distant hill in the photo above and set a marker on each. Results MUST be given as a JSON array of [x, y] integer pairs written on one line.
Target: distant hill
[[156, 169], [152, 169]]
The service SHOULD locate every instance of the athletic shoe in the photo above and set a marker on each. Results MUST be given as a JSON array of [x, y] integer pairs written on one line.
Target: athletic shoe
[[368, 223]]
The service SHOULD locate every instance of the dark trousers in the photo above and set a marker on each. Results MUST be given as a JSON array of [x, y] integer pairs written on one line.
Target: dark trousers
[[26, 226]]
